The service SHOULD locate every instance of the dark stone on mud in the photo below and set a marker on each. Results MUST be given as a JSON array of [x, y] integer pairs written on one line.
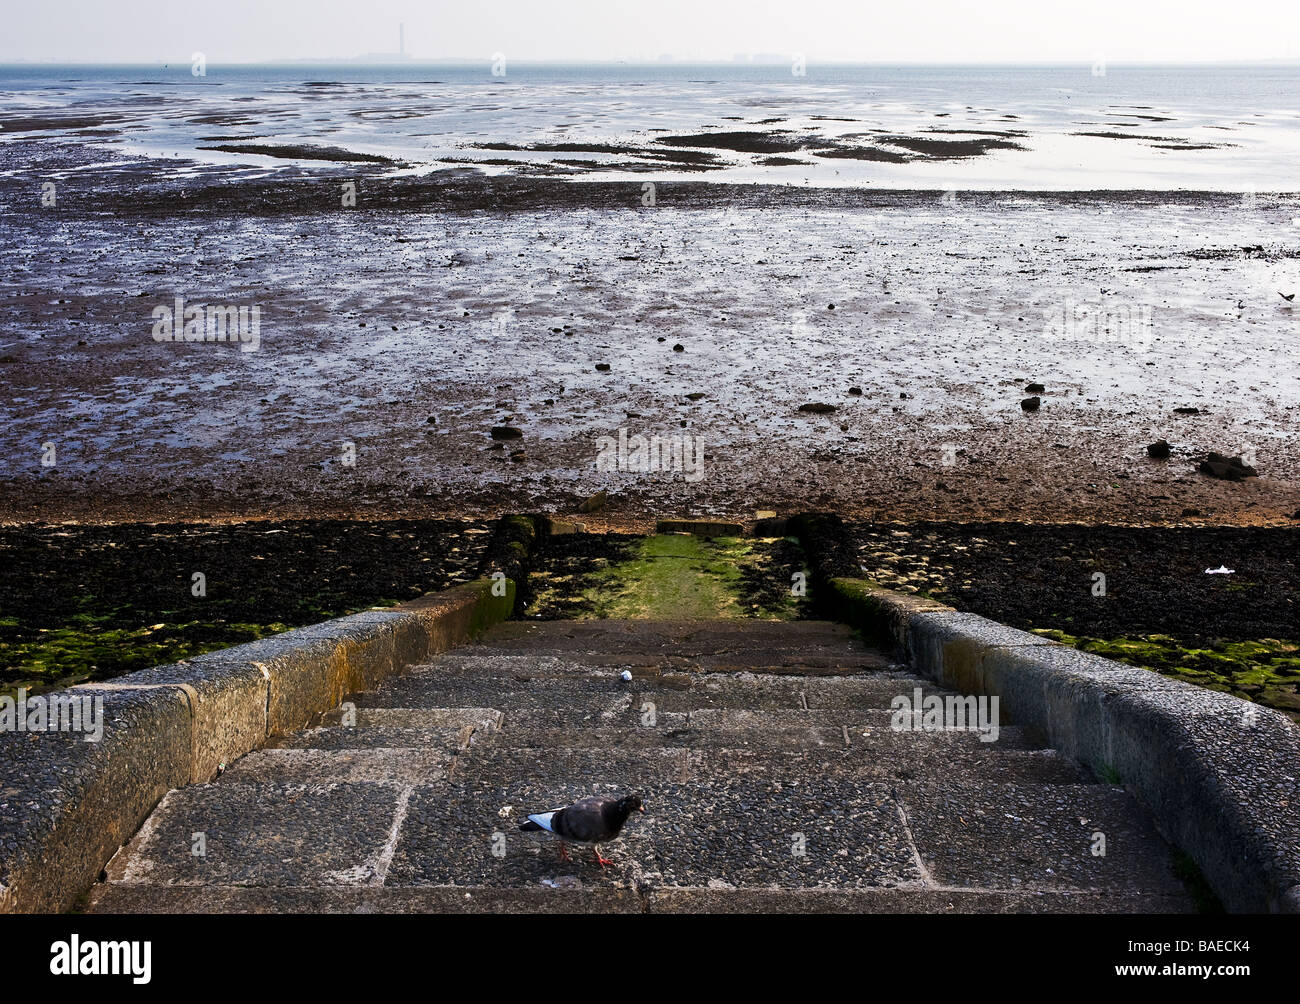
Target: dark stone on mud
[[1035, 388], [518, 455], [679, 347], [603, 367], [1226, 468], [817, 408], [595, 503], [855, 391], [506, 432], [695, 395], [1031, 403], [1191, 512], [1159, 450], [1187, 411], [1296, 514]]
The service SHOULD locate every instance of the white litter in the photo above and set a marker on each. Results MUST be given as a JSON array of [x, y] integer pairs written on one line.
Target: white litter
[[627, 675], [1221, 570]]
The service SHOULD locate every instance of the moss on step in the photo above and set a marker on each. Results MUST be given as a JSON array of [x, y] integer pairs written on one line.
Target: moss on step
[[1266, 670], [86, 647], [682, 577]]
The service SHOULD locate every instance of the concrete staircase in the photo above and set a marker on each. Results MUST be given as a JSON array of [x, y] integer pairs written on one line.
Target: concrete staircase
[[771, 777]]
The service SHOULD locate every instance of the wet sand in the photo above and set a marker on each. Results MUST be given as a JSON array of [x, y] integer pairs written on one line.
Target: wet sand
[[446, 305]]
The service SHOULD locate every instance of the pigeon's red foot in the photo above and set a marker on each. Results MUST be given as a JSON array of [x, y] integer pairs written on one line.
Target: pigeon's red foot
[[564, 853], [602, 861]]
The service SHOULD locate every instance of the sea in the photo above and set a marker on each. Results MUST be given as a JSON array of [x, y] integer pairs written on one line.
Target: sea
[[1079, 127]]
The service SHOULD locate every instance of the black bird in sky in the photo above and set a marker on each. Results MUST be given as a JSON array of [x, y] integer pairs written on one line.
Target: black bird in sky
[[1288, 297], [593, 820]]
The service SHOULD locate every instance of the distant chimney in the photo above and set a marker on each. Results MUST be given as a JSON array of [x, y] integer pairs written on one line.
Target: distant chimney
[[401, 38]]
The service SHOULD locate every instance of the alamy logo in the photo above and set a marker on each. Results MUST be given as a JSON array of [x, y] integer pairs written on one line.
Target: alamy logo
[[945, 713], [75, 957], [652, 455], [1121, 323], [199, 323], [55, 713]]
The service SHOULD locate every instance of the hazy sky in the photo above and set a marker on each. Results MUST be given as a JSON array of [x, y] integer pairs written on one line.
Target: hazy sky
[[911, 30]]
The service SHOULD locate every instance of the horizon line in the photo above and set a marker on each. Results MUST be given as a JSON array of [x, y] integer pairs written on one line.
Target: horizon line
[[380, 59]]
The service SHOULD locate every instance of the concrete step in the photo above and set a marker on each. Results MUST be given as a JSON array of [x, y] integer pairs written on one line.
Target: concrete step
[[857, 690], [560, 635], [875, 739], [679, 692], [448, 729], [544, 901], [630, 767], [870, 736], [575, 897], [455, 665], [690, 835], [395, 765], [810, 646], [896, 901], [266, 834], [747, 832], [971, 832], [773, 661]]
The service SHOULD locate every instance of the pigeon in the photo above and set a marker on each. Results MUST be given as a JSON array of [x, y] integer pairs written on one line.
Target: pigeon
[[593, 820]]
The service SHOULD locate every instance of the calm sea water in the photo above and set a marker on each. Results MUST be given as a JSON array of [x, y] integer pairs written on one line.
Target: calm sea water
[[1213, 127]]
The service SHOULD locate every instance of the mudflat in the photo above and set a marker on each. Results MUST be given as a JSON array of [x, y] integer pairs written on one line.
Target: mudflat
[[397, 333]]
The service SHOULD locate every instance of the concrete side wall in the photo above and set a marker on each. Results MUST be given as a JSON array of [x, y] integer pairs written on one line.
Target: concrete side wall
[[1221, 776], [66, 805]]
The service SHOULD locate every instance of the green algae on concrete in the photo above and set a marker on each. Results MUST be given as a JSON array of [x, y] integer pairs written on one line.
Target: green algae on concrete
[[1266, 671], [89, 644], [684, 577]]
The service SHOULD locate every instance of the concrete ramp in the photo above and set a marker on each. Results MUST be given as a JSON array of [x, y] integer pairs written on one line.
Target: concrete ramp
[[774, 773]]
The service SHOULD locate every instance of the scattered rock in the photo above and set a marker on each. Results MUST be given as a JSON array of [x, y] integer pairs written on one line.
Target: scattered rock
[[679, 347], [695, 395], [855, 391], [1187, 411], [603, 367], [1159, 450], [1031, 403], [517, 455], [1191, 512], [1035, 388], [817, 408], [506, 432], [1226, 468]]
